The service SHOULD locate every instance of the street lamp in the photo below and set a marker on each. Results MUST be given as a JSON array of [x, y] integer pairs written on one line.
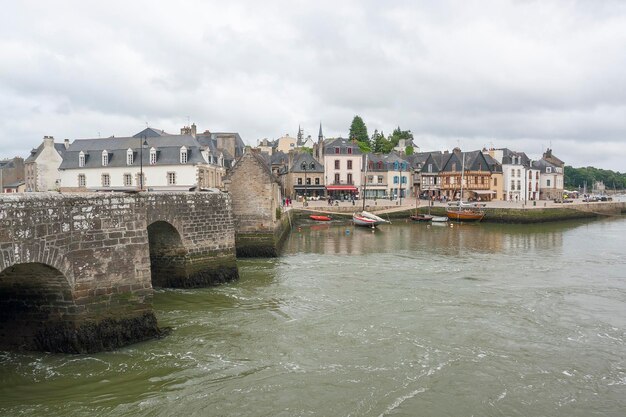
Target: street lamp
[[142, 142], [305, 191]]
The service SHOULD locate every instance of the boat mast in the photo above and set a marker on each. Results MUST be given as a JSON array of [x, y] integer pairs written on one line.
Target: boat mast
[[462, 177], [364, 188]]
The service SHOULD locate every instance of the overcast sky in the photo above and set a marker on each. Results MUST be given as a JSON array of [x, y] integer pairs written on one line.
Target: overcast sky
[[519, 74]]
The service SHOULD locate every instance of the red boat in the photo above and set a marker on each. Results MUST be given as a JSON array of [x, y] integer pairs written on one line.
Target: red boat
[[319, 218]]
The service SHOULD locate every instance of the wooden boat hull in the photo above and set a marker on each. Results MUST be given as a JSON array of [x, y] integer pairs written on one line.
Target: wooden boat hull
[[465, 215], [320, 218]]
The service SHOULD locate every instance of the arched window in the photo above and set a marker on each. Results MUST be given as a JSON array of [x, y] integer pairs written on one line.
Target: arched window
[[153, 156], [81, 159], [105, 158], [303, 166], [129, 156], [183, 155], [312, 166]]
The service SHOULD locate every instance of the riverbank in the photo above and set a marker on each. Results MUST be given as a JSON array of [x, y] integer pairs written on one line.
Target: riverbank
[[495, 212]]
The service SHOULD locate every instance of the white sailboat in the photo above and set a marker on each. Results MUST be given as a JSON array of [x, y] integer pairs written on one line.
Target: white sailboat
[[365, 218]]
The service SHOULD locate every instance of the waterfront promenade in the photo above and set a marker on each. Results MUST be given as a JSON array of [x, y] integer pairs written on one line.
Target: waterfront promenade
[[383, 205]]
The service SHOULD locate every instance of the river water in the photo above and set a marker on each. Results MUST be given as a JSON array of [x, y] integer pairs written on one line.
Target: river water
[[409, 320]]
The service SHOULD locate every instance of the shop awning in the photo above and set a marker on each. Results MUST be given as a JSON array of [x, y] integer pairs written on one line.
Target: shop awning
[[341, 188], [483, 191]]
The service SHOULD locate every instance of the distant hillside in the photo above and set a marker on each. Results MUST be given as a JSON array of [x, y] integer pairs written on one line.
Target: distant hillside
[[575, 178]]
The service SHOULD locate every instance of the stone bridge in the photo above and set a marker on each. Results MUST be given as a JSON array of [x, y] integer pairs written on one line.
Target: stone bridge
[[77, 271]]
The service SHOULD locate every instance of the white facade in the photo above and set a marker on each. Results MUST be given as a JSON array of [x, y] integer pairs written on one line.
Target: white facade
[[343, 169], [154, 176], [398, 181], [167, 162], [551, 182], [42, 168]]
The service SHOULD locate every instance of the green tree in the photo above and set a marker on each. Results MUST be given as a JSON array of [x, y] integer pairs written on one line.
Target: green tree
[[398, 134], [409, 150], [378, 142], [358, 130], [579, 177]]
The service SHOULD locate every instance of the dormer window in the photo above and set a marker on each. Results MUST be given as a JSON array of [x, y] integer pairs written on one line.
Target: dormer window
[[548, 169], [312, 166], [81, 159], [350, 150], [129, 156], [105, 158], [183, 155], [153, 156]]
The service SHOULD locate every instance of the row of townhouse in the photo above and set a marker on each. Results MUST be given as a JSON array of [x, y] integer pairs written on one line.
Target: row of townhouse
[[494, 174], [338, 169], [150, 160]]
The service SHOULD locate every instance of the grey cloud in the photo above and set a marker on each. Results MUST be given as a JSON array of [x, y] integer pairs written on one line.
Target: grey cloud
[[514, 72]]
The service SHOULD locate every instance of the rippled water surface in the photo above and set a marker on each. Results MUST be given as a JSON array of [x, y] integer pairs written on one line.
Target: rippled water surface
[[405, 321]]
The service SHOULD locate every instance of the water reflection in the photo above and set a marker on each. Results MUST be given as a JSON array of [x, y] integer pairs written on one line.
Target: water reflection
[[449, 239]]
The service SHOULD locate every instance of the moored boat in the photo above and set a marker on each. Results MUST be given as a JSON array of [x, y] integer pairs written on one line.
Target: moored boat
[[465, 215], [367, 219], [320, 218], [439, 219], [421, 217], [360, 220]]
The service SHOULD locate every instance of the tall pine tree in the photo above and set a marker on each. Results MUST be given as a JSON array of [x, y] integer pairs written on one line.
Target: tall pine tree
[[358, 131]]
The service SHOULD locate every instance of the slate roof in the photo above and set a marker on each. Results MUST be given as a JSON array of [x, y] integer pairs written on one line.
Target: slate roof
[[417, 160], [35, 152], [279, 158], [542, 164], [472, 160], [151, 132], [437, 159], [343, 144], [507, 157], [311, 164], [167, 147], [494, 165]]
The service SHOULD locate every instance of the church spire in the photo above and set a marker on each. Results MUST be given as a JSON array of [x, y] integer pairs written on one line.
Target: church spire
[[320, 136]]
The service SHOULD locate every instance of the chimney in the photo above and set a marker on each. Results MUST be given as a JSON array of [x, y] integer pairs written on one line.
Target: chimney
[[193, 130], [48, 141], [66, 142]]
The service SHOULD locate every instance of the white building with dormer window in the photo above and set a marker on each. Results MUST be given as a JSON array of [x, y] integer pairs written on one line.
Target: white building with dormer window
[[168, 162]]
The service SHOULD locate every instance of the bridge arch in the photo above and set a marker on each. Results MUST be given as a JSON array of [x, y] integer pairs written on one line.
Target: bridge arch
[[35, 299], [168, 255]]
